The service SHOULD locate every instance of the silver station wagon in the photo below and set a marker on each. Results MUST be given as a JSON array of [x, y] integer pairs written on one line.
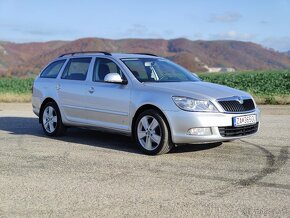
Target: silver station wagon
[[157, 102]]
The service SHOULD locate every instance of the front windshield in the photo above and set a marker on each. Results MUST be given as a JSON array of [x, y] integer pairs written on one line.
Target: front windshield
[[158, 70]]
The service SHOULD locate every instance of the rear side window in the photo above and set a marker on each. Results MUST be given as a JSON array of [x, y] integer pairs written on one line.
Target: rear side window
[[77, 69], [52, 70]]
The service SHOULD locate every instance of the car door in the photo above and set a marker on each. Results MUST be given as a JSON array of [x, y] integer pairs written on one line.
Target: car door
[[109, 102], [73, 89]]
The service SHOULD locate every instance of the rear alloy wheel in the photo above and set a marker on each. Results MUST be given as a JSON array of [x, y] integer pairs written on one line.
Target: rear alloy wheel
[[151, 133], [51, 120]]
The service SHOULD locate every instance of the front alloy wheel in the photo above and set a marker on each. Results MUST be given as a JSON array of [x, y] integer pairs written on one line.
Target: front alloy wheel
[[151, 133]]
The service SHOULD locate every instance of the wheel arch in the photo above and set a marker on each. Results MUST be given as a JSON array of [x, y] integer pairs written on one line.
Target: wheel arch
[[148, 107]]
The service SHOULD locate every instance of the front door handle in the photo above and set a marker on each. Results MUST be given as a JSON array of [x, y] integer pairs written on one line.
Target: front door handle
[[91, 90]]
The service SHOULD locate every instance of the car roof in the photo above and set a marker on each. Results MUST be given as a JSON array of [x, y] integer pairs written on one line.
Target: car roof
[[106, 54], [139, 55]]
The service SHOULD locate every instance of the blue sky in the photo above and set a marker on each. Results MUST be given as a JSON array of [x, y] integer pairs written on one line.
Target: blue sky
[[263, 21]]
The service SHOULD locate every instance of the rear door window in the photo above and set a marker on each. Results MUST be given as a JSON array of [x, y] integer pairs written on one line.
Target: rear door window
[[52, 70], [77, 69]]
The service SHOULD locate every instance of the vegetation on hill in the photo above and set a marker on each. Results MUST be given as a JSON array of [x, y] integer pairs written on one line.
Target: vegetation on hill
[[24, 58]]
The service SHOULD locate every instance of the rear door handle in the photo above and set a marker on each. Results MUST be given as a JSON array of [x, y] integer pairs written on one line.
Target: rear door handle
[[57, 87], [91, 90]]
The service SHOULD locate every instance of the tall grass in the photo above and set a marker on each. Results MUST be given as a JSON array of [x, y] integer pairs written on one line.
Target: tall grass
[[267, 87], [15, 85], [259, 83]]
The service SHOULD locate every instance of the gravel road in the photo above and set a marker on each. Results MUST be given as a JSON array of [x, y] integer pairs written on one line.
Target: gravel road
[[94, 174]]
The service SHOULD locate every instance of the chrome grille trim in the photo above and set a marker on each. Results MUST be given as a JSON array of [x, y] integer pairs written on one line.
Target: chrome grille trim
[[237, 104]]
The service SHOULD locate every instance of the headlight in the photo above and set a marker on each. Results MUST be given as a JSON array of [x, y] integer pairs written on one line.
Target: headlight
[[189, 104]]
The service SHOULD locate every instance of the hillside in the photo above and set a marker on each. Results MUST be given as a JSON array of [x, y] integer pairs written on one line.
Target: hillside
[[20, 59]]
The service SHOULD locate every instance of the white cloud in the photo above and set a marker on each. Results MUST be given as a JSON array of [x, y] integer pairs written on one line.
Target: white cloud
[[198, 36], [277, 43], [142, 31], [137, 29], [168, 33], [33, 32], [264, 22], [233, 35], [226, 17]]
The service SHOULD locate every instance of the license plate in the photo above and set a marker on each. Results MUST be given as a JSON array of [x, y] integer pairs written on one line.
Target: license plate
[[245, 120]]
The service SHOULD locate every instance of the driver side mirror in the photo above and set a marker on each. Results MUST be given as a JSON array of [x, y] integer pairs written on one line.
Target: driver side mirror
[[115, 78]]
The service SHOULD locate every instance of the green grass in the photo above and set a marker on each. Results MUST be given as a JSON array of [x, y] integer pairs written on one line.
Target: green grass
[[15, 90], [15, 85], [267, 87], [257, 83]]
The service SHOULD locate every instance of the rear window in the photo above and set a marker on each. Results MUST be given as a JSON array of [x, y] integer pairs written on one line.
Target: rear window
[[77, 69], [52, 70]]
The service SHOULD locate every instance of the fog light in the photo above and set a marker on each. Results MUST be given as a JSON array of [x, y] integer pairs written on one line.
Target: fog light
[[200, 131]]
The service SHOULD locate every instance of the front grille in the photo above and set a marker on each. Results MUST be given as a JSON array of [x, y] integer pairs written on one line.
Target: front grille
[[236, 106], [230, 131]]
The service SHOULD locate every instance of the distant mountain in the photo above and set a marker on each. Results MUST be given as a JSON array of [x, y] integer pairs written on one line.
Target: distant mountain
[[21, 58], [18, 57]]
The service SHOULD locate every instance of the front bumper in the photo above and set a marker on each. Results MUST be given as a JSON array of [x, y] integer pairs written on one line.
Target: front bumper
[[181, 121]]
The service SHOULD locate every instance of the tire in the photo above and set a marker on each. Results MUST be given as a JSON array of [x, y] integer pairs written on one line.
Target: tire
[[51, 120], [151, 133]]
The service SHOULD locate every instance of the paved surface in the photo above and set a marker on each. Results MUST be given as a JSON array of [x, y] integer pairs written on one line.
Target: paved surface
[[88, 173]]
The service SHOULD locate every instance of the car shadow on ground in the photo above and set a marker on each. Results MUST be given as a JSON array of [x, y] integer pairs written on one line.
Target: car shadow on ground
[[30, 126]]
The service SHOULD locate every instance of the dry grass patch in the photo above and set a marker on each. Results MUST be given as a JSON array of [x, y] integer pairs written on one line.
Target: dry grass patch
[[13, 97], [280, 100]]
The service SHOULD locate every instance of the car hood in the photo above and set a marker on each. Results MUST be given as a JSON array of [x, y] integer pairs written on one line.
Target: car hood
[[199, 90]]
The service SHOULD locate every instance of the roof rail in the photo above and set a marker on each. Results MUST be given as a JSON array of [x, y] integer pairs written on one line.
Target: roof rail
[[145, 54], [84, 52]]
